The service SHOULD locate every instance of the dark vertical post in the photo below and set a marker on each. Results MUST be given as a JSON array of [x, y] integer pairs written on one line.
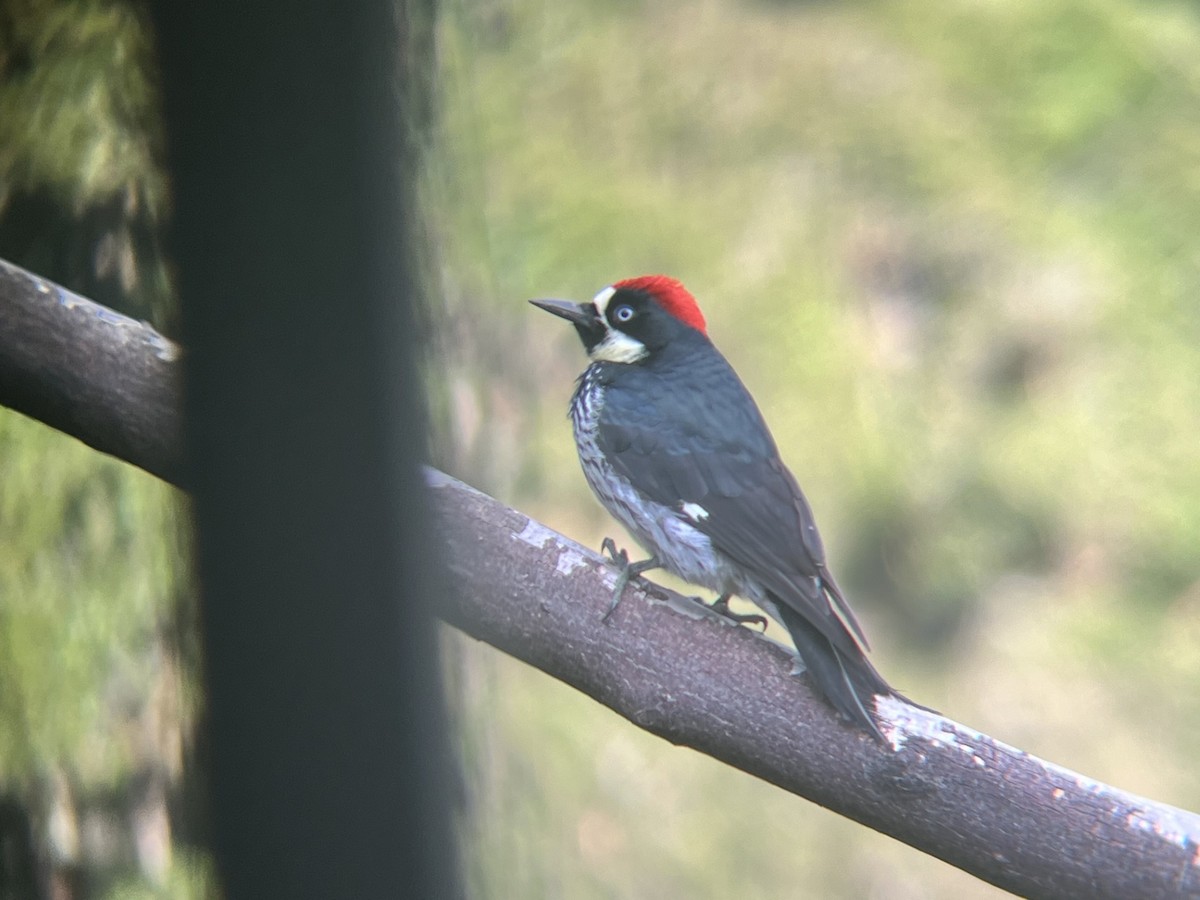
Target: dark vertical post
[[293, 200]]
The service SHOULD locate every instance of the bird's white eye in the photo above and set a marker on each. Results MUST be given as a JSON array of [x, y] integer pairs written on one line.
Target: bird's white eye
[[623, 313]]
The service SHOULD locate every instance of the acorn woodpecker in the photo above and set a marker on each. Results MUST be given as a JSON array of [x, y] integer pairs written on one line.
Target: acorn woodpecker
[[674, 447]]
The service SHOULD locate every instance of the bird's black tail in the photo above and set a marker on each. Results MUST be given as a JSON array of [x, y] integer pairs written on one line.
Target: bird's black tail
[[849, 682]]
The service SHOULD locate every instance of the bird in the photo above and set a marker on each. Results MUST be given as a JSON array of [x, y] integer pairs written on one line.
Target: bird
[[674, 447]]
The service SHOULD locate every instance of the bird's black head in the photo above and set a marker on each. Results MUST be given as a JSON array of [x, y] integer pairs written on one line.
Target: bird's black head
[[631, 320]]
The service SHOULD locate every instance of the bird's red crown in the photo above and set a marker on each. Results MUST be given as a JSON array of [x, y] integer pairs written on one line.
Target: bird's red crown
[[671, 296]]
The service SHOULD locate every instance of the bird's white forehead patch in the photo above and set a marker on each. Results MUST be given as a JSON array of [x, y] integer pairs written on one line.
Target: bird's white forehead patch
[[602, 298], [693, 511]]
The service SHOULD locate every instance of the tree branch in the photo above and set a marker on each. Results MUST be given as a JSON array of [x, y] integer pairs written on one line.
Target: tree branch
[[664, 663], [97, 375]]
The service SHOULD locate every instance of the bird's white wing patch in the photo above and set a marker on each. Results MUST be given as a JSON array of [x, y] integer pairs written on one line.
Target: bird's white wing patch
[[694, 511]]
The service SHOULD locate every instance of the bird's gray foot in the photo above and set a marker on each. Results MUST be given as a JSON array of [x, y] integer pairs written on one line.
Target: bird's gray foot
[[626, 571], [721, 607]]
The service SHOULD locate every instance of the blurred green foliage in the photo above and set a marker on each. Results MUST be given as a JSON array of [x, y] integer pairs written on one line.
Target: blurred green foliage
[[83, 595], [95, 652], [82, 191], [949, 248]]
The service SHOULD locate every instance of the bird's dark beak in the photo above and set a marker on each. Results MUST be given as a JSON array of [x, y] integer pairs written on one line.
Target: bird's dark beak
[[576, 313]]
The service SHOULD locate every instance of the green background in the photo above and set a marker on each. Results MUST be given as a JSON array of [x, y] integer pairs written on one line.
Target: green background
[[949, 247]]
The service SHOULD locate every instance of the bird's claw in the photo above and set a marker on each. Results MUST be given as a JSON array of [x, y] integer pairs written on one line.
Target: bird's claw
[[721, 607], [618, 558], [626, 571]]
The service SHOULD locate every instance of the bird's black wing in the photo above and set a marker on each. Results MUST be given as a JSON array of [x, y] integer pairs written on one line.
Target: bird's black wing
[[676, 447]]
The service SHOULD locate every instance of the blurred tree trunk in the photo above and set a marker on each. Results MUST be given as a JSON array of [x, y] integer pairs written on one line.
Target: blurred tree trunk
[[292, 148]]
